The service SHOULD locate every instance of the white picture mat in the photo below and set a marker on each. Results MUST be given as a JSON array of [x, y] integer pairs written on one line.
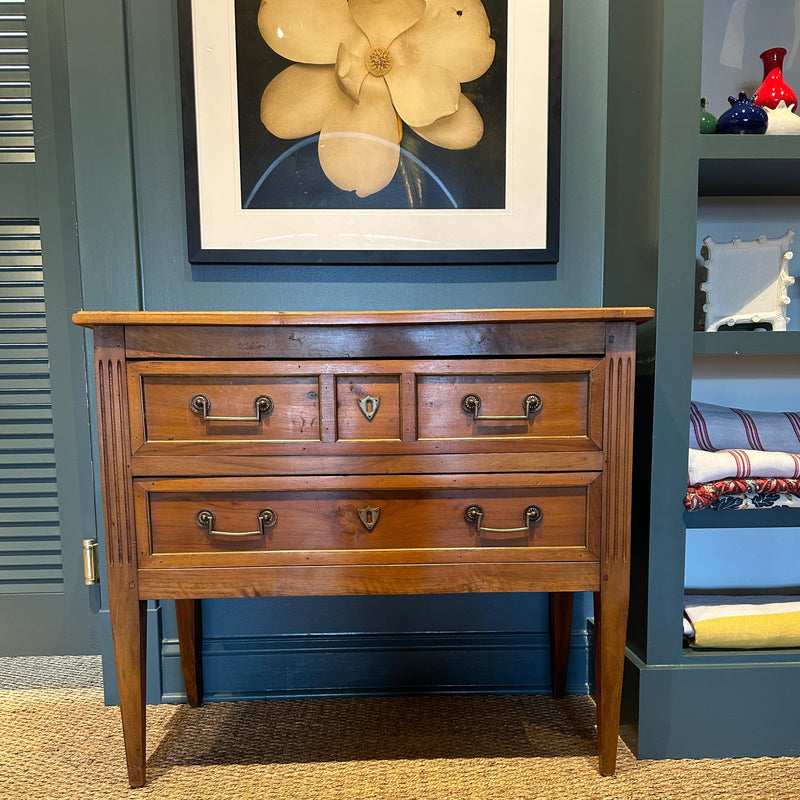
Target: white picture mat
[[225, 225]]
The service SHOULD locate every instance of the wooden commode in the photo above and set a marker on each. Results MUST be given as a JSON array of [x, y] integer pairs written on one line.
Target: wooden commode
[[251, 454]]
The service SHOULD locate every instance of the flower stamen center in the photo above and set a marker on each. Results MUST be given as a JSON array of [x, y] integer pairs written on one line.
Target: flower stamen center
[[379, 61]]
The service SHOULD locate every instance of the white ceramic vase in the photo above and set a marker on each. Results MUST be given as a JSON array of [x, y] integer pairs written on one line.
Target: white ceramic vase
[[782, 121]]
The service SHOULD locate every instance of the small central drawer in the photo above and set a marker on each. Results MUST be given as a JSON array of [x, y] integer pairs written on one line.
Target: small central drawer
[[368, 407], [553, 515]]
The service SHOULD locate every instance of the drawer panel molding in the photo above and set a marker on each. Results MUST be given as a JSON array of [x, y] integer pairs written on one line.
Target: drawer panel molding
[[216, 407], [327, 520]]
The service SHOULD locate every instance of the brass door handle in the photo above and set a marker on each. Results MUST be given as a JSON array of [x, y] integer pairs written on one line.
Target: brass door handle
[[267, 518], [91, 563], [474, 515], [531, 404], [201, 405]]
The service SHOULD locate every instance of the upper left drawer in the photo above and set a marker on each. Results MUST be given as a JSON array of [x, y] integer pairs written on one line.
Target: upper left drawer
[[182, 402]]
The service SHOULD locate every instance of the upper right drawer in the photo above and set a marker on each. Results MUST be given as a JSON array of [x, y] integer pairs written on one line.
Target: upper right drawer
[[549, 403]]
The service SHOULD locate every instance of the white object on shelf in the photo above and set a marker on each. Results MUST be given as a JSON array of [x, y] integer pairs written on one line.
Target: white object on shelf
[[782, 121], [747, 281]]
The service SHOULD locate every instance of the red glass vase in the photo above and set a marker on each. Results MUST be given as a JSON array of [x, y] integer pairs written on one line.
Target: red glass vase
[[774, 88]]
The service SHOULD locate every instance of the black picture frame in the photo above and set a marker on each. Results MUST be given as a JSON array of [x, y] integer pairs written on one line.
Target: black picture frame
[[337, 207]]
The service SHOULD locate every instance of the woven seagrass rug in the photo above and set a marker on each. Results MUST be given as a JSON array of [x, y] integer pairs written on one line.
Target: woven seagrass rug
[[65, 743]]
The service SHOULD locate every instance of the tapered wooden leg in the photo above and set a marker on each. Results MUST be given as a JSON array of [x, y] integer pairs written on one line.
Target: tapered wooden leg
[[187, 613], [560, 632], [129, 629], [128, 613], [611, 600], [611, 654]]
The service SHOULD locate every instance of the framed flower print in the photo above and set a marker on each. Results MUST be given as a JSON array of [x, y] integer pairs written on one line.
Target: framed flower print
[[371, 131]]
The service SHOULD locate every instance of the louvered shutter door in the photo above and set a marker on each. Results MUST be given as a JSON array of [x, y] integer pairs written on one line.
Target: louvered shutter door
[[45, 509], [16, 119], [30, 542]]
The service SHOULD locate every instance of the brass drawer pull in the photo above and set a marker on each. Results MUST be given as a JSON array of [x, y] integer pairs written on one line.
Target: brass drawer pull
[[474, 515], [201, 405], [531, 404], [267, 518]]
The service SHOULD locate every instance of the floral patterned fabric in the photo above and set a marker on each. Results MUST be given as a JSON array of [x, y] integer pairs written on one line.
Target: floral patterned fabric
[[743, 493]]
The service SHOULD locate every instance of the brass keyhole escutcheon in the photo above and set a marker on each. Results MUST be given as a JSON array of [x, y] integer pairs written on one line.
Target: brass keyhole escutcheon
[[369, 406], [369, 516]]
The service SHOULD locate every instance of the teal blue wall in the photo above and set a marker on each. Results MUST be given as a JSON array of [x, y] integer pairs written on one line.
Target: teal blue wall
[[123, 70], [126, 128]]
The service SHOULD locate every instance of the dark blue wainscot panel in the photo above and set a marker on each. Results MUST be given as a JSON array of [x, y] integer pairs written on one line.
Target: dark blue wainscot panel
[[291, 647]]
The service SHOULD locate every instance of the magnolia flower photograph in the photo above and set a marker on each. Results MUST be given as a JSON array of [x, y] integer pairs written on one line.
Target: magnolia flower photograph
[[372, 104]]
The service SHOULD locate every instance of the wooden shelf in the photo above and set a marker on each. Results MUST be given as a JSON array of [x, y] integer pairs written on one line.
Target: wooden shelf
[[745, 343], [781, 517], [788, 656], [721, 146], [748, 166]]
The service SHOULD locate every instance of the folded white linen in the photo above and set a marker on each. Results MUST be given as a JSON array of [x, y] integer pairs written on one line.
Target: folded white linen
[[707, 466]]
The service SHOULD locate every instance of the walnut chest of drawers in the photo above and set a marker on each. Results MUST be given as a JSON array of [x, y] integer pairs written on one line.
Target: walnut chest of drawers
[[249, 454]]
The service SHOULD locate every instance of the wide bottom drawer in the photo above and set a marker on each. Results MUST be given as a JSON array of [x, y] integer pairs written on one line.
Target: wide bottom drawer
[[337, 520]]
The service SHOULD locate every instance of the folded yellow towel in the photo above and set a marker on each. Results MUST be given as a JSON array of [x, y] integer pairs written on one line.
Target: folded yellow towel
[[744, 622]]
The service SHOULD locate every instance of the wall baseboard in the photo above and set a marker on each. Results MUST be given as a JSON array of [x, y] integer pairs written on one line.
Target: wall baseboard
[[350, 664]]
